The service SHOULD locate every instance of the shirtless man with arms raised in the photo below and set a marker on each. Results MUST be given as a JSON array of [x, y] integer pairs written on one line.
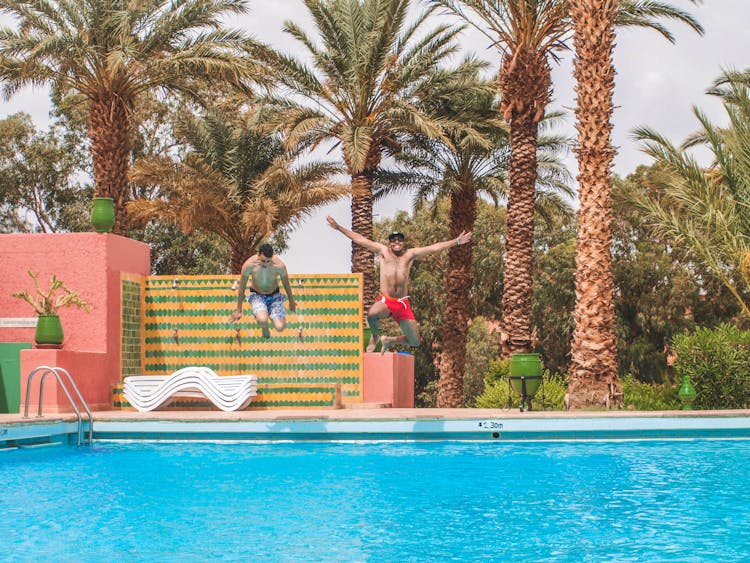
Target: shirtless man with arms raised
[[393, 301], [265, 298]]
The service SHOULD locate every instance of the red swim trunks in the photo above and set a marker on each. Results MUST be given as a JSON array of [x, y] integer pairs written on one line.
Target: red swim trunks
[[400, 308]]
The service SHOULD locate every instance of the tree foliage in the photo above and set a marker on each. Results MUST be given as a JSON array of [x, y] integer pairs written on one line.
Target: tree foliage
[[40, 185], [705, 211], [236, 181]]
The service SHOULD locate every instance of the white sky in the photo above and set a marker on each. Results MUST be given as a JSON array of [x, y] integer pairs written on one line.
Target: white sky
[[657, 85]]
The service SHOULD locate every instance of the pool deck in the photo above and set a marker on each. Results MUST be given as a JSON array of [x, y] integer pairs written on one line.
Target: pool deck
[[373, 413], [380, 424]]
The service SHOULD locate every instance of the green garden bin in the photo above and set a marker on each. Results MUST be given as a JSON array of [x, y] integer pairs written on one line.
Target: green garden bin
[[10, 376]]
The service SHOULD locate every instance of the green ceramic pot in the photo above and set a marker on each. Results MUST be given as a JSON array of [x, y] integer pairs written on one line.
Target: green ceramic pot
[[49, 331], [103, 214], [528, 366]]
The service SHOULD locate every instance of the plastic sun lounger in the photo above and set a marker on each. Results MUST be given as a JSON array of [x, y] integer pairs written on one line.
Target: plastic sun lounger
[[229, 393]]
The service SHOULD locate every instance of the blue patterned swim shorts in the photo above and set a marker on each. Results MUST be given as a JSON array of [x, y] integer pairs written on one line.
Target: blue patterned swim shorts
[[272, 304]]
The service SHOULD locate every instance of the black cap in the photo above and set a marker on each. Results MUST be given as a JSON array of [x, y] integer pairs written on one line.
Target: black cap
[[395, 235]]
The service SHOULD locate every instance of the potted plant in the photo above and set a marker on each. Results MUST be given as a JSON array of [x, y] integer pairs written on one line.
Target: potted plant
[[49, 332]]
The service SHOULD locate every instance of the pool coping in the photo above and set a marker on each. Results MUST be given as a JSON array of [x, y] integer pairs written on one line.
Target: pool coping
[[382, 424]]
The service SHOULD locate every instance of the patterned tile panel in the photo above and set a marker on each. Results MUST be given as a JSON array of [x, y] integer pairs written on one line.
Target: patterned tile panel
[[130, 324], [185, 322]]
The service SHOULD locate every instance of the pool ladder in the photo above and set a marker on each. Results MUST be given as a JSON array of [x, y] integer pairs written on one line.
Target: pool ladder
[[56, 371]]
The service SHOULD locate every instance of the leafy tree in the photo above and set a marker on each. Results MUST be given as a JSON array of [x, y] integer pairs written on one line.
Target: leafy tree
[[236, 181], [174, 252], [108, 53], [369, 66], [39, 189], [704, 211], [659, 290], [554, 298]]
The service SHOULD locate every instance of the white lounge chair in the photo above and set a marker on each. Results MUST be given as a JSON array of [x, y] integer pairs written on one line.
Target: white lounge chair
[[229, 392]]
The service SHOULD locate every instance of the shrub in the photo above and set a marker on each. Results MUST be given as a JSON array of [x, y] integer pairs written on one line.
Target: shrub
[[718, 363], [649, 397], [498, 394]]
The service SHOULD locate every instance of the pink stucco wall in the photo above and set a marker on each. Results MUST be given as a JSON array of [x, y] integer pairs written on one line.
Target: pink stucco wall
[[389, 378], [91, 372], [89, 264]]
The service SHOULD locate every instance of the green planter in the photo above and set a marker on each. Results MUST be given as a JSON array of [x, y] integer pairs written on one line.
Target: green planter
[[103, 214], [525, 376], [686, 393], [10, 375], [49, 332]]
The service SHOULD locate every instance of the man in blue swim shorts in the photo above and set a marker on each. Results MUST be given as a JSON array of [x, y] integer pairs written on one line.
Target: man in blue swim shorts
[[266, 300]]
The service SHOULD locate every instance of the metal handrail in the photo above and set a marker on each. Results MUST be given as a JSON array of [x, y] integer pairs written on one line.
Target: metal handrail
[[55, 371]]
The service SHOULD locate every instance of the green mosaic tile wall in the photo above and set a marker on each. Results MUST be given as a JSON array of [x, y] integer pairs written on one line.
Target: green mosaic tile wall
[[130, 324], [185, 322]]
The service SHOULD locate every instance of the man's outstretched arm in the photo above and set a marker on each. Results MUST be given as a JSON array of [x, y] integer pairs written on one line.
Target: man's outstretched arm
[[356, 238], [463, 238]]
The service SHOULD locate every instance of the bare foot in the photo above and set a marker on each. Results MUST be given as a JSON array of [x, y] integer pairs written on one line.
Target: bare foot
[[266, 333], [372, 344], [388, 342]]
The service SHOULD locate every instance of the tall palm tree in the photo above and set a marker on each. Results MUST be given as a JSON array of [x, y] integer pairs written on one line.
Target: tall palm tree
[[108, 52], [471, 161], [593, 377], [706, 210], [530, 34], [370, 63], [593, 372], [236, 181]]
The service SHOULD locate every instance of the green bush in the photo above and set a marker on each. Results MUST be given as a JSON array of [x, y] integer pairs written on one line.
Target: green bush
[[649, 397], [498, 394], [718, 363]]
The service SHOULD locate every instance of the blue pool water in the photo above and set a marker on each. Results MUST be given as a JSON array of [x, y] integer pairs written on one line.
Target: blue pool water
[[444, 501]]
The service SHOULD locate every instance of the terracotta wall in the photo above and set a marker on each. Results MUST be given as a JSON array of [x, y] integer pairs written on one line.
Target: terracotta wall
[[89, 264]]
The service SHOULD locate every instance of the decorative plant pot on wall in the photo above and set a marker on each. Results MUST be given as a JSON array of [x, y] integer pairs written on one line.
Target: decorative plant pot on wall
[[103, 214], [49, 332]]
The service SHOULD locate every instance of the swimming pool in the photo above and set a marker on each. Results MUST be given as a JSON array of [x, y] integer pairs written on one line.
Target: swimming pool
[[378, 501]]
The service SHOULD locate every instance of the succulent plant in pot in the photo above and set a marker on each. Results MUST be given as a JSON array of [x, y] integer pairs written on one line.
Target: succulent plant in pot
[[46, 302]]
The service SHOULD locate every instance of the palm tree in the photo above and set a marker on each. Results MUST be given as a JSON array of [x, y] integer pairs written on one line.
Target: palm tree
[[472, 160], [236, 181], [706, 210], [369, 69], [593, 377], [529, 35], [109, 52]]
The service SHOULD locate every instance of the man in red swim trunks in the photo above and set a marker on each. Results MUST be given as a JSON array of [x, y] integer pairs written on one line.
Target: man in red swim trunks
[[395, 264]]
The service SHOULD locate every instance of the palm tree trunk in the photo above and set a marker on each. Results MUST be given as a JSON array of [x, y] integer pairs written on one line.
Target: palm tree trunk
[[593, 377], [362, 259], [526, 86], [109, 131], [519, 241], [463, 215]]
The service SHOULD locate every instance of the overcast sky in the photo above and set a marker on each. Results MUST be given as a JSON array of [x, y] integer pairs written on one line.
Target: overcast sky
[[657, 85]]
